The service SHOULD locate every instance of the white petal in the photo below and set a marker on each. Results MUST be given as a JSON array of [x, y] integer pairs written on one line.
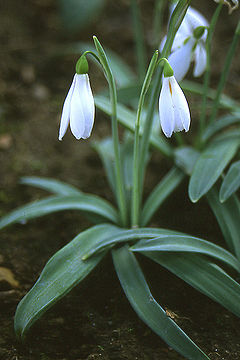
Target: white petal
[[179, 39], [87, 105], [195, 18], [200, 57], [191, 21], [77, 119], [180, 105], [181, 58], [66, 111], [166, 109], [177, 42]]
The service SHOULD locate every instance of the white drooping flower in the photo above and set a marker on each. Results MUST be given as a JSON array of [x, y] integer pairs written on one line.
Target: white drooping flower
[[173, 107], [188, 47], [78, 109], [229, 4]]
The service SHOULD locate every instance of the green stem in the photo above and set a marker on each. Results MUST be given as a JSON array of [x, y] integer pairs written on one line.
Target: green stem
[[121, 198], [175, 21], [206, 80], [225, 72], [136, 165], [139, 38]]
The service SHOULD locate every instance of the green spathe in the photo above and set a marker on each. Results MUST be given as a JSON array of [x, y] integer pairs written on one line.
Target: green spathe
[[82, 65], [167, 69]]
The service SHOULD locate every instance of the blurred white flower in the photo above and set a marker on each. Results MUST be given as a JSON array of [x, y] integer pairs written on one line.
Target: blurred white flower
[[173, 107], [78, 109], [187, 47], [230, 5]]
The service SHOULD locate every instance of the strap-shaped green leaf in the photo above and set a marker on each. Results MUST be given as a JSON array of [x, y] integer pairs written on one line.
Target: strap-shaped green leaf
[[233, 134], [127, 118], [61, 273], [138, 293], [87, 203], [231, 182], [210, 166], [204, 276], [220, 124], [163, 189], [228, 217], [185, 158], [105, 151], [127, 236], [197, 88], [52, 185], [185, 243]]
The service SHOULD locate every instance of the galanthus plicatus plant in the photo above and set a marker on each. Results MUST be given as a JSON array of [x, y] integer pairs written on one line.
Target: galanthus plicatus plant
[[123, 228]]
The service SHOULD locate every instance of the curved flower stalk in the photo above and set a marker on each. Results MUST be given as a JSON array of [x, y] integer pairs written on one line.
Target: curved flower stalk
[[173, 107], [230, 5], [78, 109], [189, 45]]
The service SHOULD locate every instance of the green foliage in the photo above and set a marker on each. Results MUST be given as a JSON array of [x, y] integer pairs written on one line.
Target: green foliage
[[204, 160], [203, 275], [161, 192], [51, 185], [147, 308], [127, 118], [177, 243], [85, 202], [228, 217], [231, 182], [61, 273], [209, 167]]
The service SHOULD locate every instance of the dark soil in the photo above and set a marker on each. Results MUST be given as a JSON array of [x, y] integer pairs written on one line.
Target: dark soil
[[94, 321]]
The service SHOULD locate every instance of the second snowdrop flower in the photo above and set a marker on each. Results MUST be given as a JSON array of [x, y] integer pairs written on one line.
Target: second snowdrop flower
[[189, 45], [78, 109], [173, 107]]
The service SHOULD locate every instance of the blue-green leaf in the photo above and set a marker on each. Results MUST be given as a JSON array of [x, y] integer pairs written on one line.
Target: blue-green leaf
[[138, 293], [61, 273], [105, 151], [127, 118], [210, 166], [204, 276], [196, 88], [163, 189], [125, 235], [52, 185], [186, 243], [228, 217], [228, 135], [185, 158], [87, 203], [231, 182], [220, 124]]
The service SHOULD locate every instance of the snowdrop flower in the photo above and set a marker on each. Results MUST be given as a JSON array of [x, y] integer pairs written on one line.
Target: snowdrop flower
[[189, 45], [78, 109], [228, 3], [173, 107]]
